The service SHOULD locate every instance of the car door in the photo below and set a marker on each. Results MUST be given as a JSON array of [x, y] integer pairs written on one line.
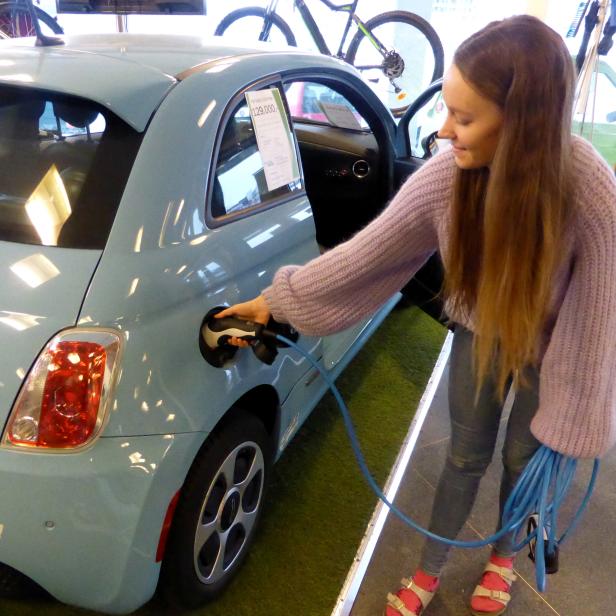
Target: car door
[[255, 202], [415, 143], [345, 159], [271, 226]]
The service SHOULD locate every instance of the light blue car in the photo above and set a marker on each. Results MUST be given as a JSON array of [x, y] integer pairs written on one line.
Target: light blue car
[[144, 181]]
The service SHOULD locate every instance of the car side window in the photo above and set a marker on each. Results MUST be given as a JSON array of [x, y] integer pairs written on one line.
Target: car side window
[[64, 163], [317, 102], [239, 180], [428, 119]]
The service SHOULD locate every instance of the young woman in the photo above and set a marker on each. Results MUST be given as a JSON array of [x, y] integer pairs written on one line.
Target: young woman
[[524, 217]]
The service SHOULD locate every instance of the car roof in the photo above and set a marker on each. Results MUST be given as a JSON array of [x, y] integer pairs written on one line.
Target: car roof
[[133, 71]]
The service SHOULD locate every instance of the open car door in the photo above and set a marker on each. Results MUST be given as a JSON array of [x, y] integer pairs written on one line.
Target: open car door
[[416, 143]]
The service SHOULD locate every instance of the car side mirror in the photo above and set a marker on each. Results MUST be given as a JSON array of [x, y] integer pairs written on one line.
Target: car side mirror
[[611, 116]]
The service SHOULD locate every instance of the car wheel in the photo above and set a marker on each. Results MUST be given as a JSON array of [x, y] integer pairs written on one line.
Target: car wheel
[[218, 512]]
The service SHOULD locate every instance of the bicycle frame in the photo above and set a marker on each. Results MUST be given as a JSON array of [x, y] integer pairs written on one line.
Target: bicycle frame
[[311, 24]]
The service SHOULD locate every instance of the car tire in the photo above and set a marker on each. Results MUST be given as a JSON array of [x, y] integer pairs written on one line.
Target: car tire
[[218, 512]]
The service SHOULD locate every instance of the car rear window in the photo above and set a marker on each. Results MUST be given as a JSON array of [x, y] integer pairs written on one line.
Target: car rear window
[[64, 163]]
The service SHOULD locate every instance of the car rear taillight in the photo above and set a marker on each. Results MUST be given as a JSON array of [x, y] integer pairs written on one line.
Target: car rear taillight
[[63, 401]]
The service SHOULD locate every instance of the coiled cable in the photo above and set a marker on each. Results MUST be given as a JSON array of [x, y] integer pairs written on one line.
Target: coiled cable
[[539, 492]]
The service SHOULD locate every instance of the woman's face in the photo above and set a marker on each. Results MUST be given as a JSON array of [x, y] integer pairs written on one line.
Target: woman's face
[[473, 122]]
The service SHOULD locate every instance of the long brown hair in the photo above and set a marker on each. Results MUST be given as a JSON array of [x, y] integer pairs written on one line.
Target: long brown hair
[[508, 221]]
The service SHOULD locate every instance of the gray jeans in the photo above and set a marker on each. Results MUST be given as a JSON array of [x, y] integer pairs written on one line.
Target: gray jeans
[[474, 428]]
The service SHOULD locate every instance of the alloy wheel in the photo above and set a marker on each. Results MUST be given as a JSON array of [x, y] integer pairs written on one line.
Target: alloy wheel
[[229, 512]]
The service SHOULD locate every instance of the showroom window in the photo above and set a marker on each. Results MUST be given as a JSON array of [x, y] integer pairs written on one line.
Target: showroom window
[[240, 180], [597, 121]]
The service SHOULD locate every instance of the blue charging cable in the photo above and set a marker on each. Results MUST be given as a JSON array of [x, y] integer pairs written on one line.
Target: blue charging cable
[[538, 493]]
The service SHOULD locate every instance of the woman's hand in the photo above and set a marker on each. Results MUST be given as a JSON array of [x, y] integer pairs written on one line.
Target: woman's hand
[[255, 310]]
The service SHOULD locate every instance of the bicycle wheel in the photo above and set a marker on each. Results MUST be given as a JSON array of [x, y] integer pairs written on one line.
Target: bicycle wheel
[[252, 24], [16, 20], [410, 59]]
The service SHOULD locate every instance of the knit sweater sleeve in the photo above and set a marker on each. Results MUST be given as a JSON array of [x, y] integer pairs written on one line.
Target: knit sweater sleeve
[[349, 282], [577, 397]]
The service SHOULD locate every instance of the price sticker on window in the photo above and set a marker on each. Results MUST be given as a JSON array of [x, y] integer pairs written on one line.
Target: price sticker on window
[[273, 135]]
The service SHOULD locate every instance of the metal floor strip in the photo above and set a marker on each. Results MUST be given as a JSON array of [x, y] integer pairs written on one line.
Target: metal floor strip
[[354, 578]]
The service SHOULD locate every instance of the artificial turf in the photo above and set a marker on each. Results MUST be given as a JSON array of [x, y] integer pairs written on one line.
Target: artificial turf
[[318, 504]]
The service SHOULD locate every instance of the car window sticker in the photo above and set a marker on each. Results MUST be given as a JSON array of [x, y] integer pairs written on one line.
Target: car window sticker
[[274, 138], [340, 115]]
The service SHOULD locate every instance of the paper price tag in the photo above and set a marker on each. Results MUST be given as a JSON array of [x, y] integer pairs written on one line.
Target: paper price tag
[[273, 137], [340, 115]]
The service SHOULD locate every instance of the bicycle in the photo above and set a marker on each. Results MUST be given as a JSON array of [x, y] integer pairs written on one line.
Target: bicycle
[[16, 20], [367, 51]]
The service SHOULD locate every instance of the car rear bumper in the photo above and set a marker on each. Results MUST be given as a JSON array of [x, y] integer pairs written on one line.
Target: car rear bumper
[[86, 526]]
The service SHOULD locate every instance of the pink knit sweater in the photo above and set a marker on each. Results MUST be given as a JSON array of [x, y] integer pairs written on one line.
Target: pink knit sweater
[[577, 397]]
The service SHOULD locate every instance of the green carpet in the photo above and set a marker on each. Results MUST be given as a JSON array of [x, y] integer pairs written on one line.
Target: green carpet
[[319, 504]]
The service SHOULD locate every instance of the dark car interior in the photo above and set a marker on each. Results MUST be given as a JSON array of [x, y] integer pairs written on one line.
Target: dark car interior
[[347, 171], [345, 181]]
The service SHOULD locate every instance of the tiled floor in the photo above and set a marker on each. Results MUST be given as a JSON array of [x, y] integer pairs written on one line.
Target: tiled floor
[[582, 587]]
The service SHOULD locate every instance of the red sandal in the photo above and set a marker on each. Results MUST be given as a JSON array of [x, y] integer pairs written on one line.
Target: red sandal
[[411, 599], [491, 596]]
